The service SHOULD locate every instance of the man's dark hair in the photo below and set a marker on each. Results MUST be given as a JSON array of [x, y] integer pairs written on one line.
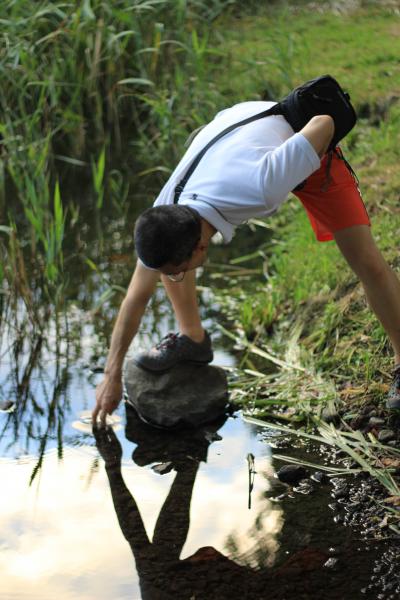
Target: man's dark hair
[[167, 234]]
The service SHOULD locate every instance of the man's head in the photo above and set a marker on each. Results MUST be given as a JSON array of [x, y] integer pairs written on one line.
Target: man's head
[[167, 236]]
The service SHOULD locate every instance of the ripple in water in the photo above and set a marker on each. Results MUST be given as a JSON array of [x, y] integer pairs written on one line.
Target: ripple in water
[[84, 423]]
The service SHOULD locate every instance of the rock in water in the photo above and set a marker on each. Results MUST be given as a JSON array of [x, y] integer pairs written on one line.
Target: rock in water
[[186, 395], [292, 474], [7, 406]]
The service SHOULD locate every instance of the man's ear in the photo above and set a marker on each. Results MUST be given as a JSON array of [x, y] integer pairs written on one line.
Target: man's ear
[[202, 245]]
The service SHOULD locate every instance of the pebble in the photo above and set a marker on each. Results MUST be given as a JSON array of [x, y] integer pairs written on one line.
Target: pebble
[[340, 492], [291, 474], [320, 477], [376, 422], [331, 563], [386, 435], [338, 518], [330, 415], [278, 498], [305, 487], [338, 481]]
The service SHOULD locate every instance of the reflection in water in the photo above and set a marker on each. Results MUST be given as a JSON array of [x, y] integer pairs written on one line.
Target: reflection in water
[[59, 536], [190, 530], [162, 572], [45, 379]]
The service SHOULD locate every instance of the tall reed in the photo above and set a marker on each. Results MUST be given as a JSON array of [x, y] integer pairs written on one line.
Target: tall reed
[[79, 76]]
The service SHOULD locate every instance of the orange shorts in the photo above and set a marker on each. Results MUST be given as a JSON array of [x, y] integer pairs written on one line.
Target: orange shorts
[[332, 200]]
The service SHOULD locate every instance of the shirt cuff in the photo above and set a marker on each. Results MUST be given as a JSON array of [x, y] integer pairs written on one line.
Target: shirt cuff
[[308, 150]]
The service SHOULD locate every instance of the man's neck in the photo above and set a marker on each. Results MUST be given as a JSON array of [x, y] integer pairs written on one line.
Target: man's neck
[[207, 230]]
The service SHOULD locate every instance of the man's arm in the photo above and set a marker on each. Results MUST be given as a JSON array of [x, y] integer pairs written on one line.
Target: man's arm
[[109, 391], [319, 132], [285, 166]]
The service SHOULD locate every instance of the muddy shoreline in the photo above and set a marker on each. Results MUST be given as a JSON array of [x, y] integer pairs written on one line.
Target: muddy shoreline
[[356, 500]]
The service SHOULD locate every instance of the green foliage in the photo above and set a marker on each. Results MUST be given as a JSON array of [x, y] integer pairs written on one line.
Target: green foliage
[[75, 72], [278, 46], [98, 177], [303, 266], [314, 288], [79, 76], [258, 311]]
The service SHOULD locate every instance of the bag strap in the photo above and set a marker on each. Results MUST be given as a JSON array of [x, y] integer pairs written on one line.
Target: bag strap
[[275, 110]]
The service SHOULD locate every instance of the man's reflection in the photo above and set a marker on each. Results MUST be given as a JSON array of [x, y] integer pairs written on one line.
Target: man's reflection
[[207, 573]]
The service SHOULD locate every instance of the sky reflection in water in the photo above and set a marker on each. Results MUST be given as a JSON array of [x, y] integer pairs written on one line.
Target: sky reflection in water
[[60, 536]]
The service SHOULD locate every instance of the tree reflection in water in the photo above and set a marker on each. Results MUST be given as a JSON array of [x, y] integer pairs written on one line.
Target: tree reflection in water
[[35, 377], [45, 368]]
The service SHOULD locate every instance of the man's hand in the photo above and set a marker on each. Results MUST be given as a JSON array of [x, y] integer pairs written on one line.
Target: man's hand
[[108, 396], [108, 445], [109, 392]]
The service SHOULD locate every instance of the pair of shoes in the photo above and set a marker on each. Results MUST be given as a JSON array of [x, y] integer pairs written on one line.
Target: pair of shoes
[[173, 349], [393, 397]]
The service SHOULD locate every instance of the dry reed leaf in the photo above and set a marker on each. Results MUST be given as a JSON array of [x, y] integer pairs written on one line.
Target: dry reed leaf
[[350, 391], [378, 387], [390, 462], [346, 301], [393, 500]]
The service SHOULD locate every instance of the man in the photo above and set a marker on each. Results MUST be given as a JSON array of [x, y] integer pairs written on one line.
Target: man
[[248, 172]]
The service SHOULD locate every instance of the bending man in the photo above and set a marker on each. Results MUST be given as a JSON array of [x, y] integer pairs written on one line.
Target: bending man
[[247, 173]]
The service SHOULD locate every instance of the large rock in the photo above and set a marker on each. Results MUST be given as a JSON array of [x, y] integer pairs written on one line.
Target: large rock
[[186, 395], [166, 450]]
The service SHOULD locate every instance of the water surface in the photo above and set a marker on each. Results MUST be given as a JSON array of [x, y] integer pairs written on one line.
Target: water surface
[[172, 516]]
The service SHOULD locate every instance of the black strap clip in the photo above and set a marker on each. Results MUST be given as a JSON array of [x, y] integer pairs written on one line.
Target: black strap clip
[[178, 191]]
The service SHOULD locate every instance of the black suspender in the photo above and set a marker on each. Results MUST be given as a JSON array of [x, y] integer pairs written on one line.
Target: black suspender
[[275, 110]]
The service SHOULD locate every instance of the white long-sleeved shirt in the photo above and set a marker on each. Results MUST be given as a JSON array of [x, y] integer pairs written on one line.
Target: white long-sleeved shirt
[[247, 173]]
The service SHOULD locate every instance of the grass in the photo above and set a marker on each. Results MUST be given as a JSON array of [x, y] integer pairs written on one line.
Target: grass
[[308, 284], [81, 81], [289, 43]]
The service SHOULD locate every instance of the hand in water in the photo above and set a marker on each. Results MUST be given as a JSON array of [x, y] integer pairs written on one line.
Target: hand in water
[[108, 445], [108, 396]]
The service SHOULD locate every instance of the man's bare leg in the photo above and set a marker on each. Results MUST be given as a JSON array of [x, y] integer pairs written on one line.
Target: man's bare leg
[[381, 285], [183, 297]]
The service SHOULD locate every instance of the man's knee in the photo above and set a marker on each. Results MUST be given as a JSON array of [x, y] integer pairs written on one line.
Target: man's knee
[[371, 266], [364, 257]]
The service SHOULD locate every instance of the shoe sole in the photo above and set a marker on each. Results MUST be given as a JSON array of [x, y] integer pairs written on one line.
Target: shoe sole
[[163, 369]]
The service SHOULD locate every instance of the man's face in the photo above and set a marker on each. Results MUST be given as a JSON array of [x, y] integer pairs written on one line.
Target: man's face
[[177, 272]]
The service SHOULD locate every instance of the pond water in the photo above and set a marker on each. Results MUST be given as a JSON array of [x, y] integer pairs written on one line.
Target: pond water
[[172, 516], [170, 519]]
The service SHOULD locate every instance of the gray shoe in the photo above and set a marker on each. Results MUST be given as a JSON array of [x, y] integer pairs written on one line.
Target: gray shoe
[[174, 349], [393, 397]]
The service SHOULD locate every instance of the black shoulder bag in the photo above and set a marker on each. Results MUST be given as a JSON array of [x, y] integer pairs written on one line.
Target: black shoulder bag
[[320, 96]]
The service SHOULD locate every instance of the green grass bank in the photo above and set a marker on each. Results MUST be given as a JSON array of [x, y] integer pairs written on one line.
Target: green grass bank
[[310, 302], [311, 347]]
